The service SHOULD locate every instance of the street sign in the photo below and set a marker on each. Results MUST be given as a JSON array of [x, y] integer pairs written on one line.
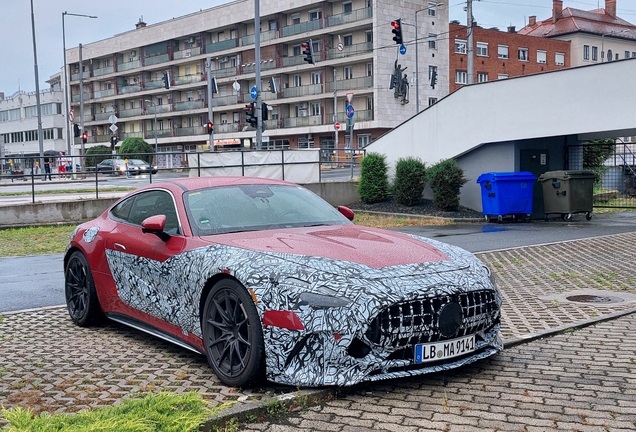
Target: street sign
[[71, 116], [253, 92], [340, 46], [402, 49], [349, 98], [265, 139], [113, 119], [336, 125], [350, 111], [113, 128]]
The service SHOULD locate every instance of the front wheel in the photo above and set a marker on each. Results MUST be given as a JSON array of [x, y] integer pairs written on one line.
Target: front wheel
[[588, 215], [79, 289], [232, 334]]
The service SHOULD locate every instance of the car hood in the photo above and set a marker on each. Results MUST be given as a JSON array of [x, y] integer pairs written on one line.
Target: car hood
[[370, 247]]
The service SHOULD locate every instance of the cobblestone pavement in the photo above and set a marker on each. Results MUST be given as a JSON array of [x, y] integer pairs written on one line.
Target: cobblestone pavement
[[49, 364]]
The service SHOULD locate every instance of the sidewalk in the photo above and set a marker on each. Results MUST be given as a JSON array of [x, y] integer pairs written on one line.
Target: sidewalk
[[51, 365]]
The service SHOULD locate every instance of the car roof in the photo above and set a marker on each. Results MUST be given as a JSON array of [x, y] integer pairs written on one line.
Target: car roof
[[195, 183]]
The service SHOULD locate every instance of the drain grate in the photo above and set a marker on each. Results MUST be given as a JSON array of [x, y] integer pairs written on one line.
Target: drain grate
[[594, 299]]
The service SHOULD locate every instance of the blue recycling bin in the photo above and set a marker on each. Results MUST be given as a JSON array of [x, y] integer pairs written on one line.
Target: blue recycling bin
[[506, 194]]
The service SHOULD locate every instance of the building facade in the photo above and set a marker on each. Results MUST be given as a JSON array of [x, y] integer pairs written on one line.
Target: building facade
[[353, 51], [500, 55]]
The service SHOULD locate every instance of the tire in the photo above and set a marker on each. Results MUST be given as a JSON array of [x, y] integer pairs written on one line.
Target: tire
[[566, 216], [499, 218], [588, 215], [79, 290], [545, 218], [232, 334], [487, 218]]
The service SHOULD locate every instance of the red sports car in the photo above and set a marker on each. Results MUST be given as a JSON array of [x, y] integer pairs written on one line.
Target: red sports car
[[267, 279]]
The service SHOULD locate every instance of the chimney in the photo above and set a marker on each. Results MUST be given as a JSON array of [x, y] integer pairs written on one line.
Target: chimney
[[511, 29], [532, 20], [141, 23], [557, 10], [610, 7]]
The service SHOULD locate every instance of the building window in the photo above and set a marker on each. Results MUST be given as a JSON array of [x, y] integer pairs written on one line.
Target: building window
[[297, 81], [347, 7], [502, 51], [502, 76], [586, 52], [610, 55], [348, 40], [559, 59], [541, 56], [627, 54], [633, 54], [432, 8], [369, 103], [460, 46], [315, 15], [369, 69], [296, 50], [482, 49], [316, 77], [482, 77], [523, 54], [460, 77], [432, 101], [315, 109], [347, 72], [363, 141], [295, 18], [432, 41], [594, 53], [369, 36], [271, 24]]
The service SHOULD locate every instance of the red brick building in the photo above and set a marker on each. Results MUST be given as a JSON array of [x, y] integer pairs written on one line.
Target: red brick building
[[500, 55]]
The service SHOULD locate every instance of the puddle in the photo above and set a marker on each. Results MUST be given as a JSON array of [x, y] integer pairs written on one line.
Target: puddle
[[594, 299], [493, 228]]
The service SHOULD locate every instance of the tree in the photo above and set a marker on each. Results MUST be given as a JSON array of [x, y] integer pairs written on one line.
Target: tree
[[102, 153], [136, 148], [595, 153]]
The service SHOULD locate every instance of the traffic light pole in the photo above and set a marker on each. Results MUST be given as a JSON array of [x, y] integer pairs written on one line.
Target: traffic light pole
[[208, 64], [257, 60], [81, 113]]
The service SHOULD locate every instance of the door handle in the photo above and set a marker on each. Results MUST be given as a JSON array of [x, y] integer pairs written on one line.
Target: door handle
[[120, 246]]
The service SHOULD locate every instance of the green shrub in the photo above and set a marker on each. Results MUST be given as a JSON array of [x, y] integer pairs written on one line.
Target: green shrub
[[595, 153], [103, 151], [446, 179], [409, 182], [136, 148], [373, 186]]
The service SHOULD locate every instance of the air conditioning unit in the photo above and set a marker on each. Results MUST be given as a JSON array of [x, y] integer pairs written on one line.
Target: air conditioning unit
[[302, 113], [310, 136], [133, 53], [303, 106], [191, 40], [188, 54]]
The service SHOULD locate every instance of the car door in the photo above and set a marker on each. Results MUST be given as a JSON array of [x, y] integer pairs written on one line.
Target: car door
[[135, 258]]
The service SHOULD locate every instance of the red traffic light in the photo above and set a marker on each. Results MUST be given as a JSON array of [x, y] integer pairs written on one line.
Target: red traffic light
[[304, 46], [395, 24], [84, 137], [210, 127]]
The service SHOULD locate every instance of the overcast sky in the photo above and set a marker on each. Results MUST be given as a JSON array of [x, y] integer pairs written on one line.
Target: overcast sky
[[17, 70]]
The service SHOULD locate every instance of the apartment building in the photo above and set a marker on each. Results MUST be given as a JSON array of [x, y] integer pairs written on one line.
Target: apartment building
[[596, 36], [502, 54], [19, 121], [353, 50]]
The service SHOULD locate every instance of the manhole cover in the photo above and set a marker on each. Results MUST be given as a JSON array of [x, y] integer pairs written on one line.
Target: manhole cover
[[594, 299]]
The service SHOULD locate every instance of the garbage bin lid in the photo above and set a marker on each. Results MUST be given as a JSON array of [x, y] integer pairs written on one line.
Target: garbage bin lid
[[565, 175], [506, 176]]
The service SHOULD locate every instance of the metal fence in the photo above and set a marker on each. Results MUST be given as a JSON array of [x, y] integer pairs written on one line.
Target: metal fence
[[613, 163]]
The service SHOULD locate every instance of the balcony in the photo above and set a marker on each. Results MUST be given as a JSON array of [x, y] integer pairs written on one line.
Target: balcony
[[302, 121], [347, 17], [101, 138], [302, 27], [149, 85], [293, 61], [104, 93], [124, 135], [188, 79], [224, 100], [189, 131], [159, 108], [161, 58], [128, 65], [76, 76], [351, 50], [161, 133], [220, 46], [266, 95], [103, 115], [222, 73], [265, 36], [76, 98], [351, 84], [129, 89], [103, 71], [130, 112], [187, 53], [358, 116], [265, 65], [302, 90], [226, 128], [189, 105]]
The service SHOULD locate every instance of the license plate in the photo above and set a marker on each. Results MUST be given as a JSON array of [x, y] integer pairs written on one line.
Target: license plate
[[436, 351]]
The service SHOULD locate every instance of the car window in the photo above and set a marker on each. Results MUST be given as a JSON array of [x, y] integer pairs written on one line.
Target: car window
[[141, 206], [106, 162]]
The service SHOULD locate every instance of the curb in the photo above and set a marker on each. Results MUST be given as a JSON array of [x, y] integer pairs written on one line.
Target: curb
[[419, 216]]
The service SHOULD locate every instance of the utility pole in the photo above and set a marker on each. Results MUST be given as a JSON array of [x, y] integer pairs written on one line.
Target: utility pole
[[208, 63], [81, 72], [469, 30], [257, 60], [335, 112], [37, 89]]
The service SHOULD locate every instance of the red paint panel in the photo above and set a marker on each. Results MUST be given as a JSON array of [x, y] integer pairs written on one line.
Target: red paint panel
[[283, 319]]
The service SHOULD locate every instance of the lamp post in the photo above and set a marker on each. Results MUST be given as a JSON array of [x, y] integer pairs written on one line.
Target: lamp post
[[66, 81], [154, 128], [417, 60]]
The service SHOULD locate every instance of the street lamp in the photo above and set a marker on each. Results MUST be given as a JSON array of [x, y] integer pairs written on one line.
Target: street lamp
[[417, 61], [154, 127], [66, 81]]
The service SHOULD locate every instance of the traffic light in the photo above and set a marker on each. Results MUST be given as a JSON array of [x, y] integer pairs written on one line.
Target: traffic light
[[250, 114], [113, 142], [433, 78], [264, 115], [166, 80], [215, 88], [209, 127], [76, 130], [397, 31], [308, 51], [84, 137], [273, 87]]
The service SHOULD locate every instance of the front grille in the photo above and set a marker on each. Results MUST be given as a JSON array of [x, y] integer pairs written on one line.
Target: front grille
[[417, 321]]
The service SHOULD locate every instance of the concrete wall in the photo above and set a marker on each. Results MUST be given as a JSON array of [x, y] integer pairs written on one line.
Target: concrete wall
[[71, 212]]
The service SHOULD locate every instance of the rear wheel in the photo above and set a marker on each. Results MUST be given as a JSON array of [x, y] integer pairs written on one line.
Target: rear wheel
[[232, 334], [79, 289]]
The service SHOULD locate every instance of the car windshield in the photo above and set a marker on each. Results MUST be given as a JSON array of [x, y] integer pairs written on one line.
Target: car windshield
[[229, 209], [137, 162]]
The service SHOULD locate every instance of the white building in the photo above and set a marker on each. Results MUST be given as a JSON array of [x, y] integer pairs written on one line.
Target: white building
[[354, 53]]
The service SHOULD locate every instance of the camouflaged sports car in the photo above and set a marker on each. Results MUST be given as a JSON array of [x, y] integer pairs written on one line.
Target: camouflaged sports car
[[267, 279]]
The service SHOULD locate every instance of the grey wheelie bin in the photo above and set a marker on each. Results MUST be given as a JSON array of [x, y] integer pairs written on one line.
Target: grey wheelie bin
[[567, 192]]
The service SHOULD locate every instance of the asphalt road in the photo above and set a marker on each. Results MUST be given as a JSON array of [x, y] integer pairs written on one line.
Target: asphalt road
[[37, 281]]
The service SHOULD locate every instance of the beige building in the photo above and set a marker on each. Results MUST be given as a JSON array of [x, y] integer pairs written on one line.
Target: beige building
[[353, 52]]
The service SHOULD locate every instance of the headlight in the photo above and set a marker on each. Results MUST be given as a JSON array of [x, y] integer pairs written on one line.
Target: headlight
[[320, 297]]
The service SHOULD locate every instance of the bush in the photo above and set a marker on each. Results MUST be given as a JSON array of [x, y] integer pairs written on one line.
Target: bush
[[409, 182], [373, 186], [446, 179], [136, 148], [595, 153], [103, 151]]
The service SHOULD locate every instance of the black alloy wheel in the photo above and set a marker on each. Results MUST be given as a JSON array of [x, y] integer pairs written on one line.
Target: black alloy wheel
[[79, 289], [232, 334]]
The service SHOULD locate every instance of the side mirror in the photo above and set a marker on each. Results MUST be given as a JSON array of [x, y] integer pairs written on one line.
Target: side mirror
[[346, 212], [155, 225]]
